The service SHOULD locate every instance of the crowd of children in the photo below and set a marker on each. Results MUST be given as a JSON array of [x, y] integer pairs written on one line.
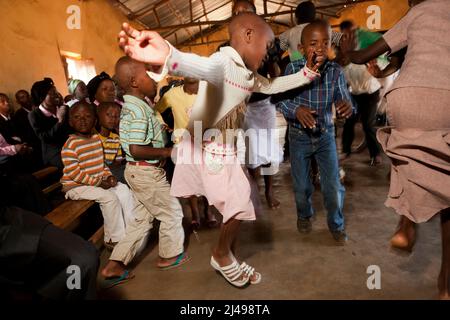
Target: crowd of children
[[113, 147]]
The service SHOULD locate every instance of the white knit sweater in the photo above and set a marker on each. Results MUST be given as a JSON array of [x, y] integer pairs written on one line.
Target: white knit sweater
[[227, 82]]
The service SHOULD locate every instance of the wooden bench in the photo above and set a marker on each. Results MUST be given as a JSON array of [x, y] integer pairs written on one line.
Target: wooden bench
[[66, 215], [45, 173]]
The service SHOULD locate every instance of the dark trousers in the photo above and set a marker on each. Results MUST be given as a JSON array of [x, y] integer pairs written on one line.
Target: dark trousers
[[23, 190], [367, 112], [37, 258], [59, 249]]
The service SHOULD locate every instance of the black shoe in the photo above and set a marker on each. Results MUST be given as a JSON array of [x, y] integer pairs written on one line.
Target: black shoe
[[304, 225], [340, 237]]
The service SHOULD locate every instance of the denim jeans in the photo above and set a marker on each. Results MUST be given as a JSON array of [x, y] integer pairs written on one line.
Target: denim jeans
[[303, 147]]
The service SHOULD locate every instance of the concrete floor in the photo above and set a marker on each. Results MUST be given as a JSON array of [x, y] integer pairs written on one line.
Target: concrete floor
[[296, 266]]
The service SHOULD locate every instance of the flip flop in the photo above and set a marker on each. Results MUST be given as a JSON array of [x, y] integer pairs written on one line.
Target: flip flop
[[181, 259], [114, 281]]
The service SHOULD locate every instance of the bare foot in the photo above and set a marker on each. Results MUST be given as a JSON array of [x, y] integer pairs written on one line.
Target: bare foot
[[167, 263], [405, 237], [272, 201], [444, 286], [211, 218], [113, 269]]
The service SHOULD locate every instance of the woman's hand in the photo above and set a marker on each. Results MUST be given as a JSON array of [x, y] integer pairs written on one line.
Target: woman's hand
[[348, 43]]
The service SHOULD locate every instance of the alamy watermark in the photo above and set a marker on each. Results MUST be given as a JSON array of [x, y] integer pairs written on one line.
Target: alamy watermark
[[216, 149], [374, 280]]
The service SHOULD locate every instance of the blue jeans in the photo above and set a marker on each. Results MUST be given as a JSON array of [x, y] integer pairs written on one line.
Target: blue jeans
[[323, 147]]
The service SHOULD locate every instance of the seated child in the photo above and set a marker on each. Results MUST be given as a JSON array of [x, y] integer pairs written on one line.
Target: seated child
[[141, 136], [85, 175], [108, 119], [230, 78], [308, 111]]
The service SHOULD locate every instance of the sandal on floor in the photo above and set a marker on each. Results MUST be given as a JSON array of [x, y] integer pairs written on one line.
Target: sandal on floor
[[181, 259], [232, 273], [249, 271], [114, 281]]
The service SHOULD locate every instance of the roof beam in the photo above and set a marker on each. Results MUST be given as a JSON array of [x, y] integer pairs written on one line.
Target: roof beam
[[176, 28], [145, 10], [211, 22], [341, 4]]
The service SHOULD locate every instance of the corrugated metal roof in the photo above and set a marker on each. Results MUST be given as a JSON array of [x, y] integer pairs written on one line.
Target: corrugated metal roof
[[169, 13]]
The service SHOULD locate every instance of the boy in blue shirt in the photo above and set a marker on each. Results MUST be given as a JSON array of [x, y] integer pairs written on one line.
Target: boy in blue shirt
[[308, 111]]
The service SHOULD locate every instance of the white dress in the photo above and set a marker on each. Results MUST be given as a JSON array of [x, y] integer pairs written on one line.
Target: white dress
[[260, 126]]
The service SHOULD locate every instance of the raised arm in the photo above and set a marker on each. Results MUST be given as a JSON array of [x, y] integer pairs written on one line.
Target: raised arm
[[363, 56], [151, 48]]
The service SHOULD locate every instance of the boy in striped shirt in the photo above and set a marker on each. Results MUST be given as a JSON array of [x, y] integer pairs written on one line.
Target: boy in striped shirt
[[85, 175]]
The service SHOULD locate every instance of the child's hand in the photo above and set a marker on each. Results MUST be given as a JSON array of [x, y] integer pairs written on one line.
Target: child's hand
[[112, 181], [306, 117], [344, 109], [314, 62], [145, 46], [105, 184]]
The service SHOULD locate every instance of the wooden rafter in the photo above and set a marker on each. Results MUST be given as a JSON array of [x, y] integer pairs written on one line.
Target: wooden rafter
[[157, 17], [318, 10], [146, 10], [176, 28], [204, 10], [279, 8], [211, 22], [179, 17]]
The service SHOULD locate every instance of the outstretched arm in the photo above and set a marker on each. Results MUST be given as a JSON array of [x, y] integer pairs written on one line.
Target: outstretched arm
[[365, 55], [286, 83]]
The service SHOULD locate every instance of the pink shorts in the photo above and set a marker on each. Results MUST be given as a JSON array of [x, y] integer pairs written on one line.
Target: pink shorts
[[220, 178]]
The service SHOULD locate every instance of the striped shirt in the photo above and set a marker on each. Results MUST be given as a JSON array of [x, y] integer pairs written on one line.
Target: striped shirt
[[139, 125], [320, 95], [83, 162], [111, 148]]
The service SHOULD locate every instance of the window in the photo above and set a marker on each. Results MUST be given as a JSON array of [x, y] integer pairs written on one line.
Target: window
[[77, 68]]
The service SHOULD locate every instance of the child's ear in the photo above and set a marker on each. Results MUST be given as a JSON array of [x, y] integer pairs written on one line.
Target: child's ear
[[133, 82], [301, 48], [249, 34]]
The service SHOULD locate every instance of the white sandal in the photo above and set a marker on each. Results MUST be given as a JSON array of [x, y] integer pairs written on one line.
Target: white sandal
[[232, 273], [249, 272]]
